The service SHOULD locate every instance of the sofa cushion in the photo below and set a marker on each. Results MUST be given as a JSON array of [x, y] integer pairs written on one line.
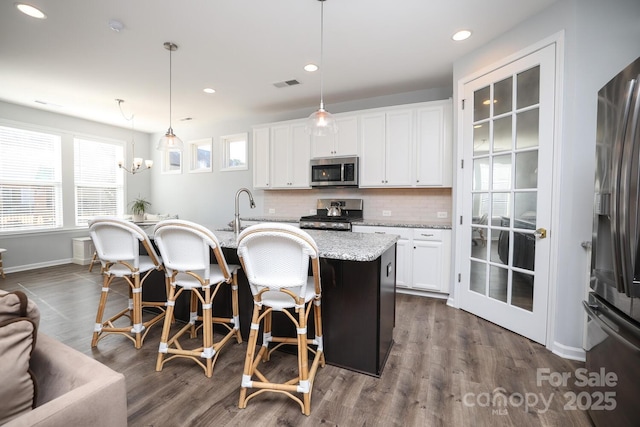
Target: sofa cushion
[[19, 320]]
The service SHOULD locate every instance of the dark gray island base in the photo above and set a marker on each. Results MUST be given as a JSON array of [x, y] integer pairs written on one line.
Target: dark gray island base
[[358, 298]]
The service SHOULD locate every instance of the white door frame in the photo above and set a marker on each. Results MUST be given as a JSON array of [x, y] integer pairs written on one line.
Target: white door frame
[[558, 40]]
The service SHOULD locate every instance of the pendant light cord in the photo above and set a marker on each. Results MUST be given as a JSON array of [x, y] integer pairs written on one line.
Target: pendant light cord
[[322, 54], [170, 102], [129, 119]]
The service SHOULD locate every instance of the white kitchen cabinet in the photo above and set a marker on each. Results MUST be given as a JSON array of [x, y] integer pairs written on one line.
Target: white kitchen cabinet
[[290, 156], [261, 157], [423, 257], [386, 149], [403, 250], [431, 259], [434, 145], [344, 143], [281, 156], [407, 147]]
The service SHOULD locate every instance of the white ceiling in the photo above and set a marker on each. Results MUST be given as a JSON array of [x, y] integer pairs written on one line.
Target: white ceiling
[[238, 47]]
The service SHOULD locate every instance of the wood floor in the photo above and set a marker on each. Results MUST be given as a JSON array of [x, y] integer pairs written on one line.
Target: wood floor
[[446, 368]]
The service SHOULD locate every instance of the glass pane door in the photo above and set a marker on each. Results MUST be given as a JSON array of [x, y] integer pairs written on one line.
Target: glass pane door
[[504, 190]]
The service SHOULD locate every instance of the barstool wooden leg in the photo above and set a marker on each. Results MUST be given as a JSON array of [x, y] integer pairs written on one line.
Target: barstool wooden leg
[[166, 327], [234, 307], [93, 260], [207, 330], [303, 359], [248, 360], [317, 317], [193, 312], [106, 281], [136, 293]]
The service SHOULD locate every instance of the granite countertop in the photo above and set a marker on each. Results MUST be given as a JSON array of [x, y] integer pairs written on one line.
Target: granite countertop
[[404, 224], [365, 221], [340, 245]]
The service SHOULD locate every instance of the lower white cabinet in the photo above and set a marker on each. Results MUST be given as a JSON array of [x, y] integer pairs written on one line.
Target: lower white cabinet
[[423, 257]]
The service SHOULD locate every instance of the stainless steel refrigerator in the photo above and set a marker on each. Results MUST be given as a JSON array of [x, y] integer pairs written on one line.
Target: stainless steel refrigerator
[[612, 343]]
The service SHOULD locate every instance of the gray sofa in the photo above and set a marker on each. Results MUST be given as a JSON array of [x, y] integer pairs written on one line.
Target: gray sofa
[[73, 389]]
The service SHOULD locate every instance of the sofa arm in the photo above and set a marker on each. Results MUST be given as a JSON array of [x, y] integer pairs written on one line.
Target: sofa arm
[[73, 389]]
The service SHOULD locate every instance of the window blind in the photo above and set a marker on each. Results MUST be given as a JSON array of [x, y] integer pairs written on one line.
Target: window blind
[[99, 188], [30, 180]]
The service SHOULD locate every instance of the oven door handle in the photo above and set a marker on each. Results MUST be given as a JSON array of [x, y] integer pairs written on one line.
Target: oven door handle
[[594, 312]]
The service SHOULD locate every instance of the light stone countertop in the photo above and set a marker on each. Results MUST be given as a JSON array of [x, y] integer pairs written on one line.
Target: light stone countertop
[[340, 245], [365, 221]]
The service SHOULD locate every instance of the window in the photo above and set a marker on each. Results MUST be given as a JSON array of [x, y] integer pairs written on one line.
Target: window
[[98, 181], [234, 152], [200, 155], [30, 180], [172, 162]]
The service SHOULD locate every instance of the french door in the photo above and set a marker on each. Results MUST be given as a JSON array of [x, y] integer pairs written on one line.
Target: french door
[[508, 123]]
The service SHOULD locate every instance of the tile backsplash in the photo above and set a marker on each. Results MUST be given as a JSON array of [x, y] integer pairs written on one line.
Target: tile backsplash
[[410, 204]]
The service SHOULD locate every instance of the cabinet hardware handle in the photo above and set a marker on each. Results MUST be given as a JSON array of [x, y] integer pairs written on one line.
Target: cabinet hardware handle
[[426, 235], [379, 232]]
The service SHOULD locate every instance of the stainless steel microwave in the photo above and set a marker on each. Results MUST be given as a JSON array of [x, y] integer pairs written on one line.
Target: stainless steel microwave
[[334, 172]]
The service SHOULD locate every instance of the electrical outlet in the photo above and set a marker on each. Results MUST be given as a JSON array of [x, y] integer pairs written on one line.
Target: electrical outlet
[[386, 213], [272, 210], [442, 215], [312, 211]]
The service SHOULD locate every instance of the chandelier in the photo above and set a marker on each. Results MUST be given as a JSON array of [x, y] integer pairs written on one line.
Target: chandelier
[[137, 163]]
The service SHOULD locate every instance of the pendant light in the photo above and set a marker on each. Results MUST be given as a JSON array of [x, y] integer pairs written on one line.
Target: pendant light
[[321, 122], [170, 140]]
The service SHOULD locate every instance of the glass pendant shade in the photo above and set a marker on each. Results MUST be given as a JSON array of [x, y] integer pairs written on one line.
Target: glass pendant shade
[[170, 141], [321, 123]]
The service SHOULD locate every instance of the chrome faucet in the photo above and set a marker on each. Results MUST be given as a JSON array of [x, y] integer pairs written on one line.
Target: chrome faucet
[[236, 218]]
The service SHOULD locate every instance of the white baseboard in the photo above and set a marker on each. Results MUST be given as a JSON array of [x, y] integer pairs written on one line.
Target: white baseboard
[[566, 352], [37, 265], [451, 302], [421, 293]]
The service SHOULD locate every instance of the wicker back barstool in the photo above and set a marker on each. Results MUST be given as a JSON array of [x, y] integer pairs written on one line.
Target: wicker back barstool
[[186, 249], [118, 244], [275, 258]]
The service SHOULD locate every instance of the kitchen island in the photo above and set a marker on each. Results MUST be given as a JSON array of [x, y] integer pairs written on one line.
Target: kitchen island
[[358, 297]]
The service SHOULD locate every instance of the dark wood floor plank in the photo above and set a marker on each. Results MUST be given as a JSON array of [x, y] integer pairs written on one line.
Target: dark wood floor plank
[[443, 363]]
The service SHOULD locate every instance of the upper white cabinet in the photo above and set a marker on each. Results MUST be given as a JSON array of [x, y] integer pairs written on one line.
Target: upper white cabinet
[[281, 156], [434, 145], [402, 146], [407, 147], [386, 149], [261, 157], [344, 143], [290, 156]]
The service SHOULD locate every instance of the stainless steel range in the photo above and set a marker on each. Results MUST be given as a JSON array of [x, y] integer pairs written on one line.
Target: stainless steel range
[[334, 214]]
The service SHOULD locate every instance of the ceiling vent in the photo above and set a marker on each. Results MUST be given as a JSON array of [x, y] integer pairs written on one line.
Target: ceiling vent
[[286, 83]]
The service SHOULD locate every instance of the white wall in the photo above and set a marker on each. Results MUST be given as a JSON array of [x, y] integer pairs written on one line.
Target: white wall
[[601, 37]]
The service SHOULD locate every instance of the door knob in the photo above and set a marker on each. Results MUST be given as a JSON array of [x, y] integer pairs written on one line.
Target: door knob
[[540, 233]]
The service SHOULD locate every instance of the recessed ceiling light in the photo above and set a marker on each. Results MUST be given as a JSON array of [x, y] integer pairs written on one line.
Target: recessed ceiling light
[[32, 11], [116, 25], [209, 90], [461, 35], [311, 68]]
